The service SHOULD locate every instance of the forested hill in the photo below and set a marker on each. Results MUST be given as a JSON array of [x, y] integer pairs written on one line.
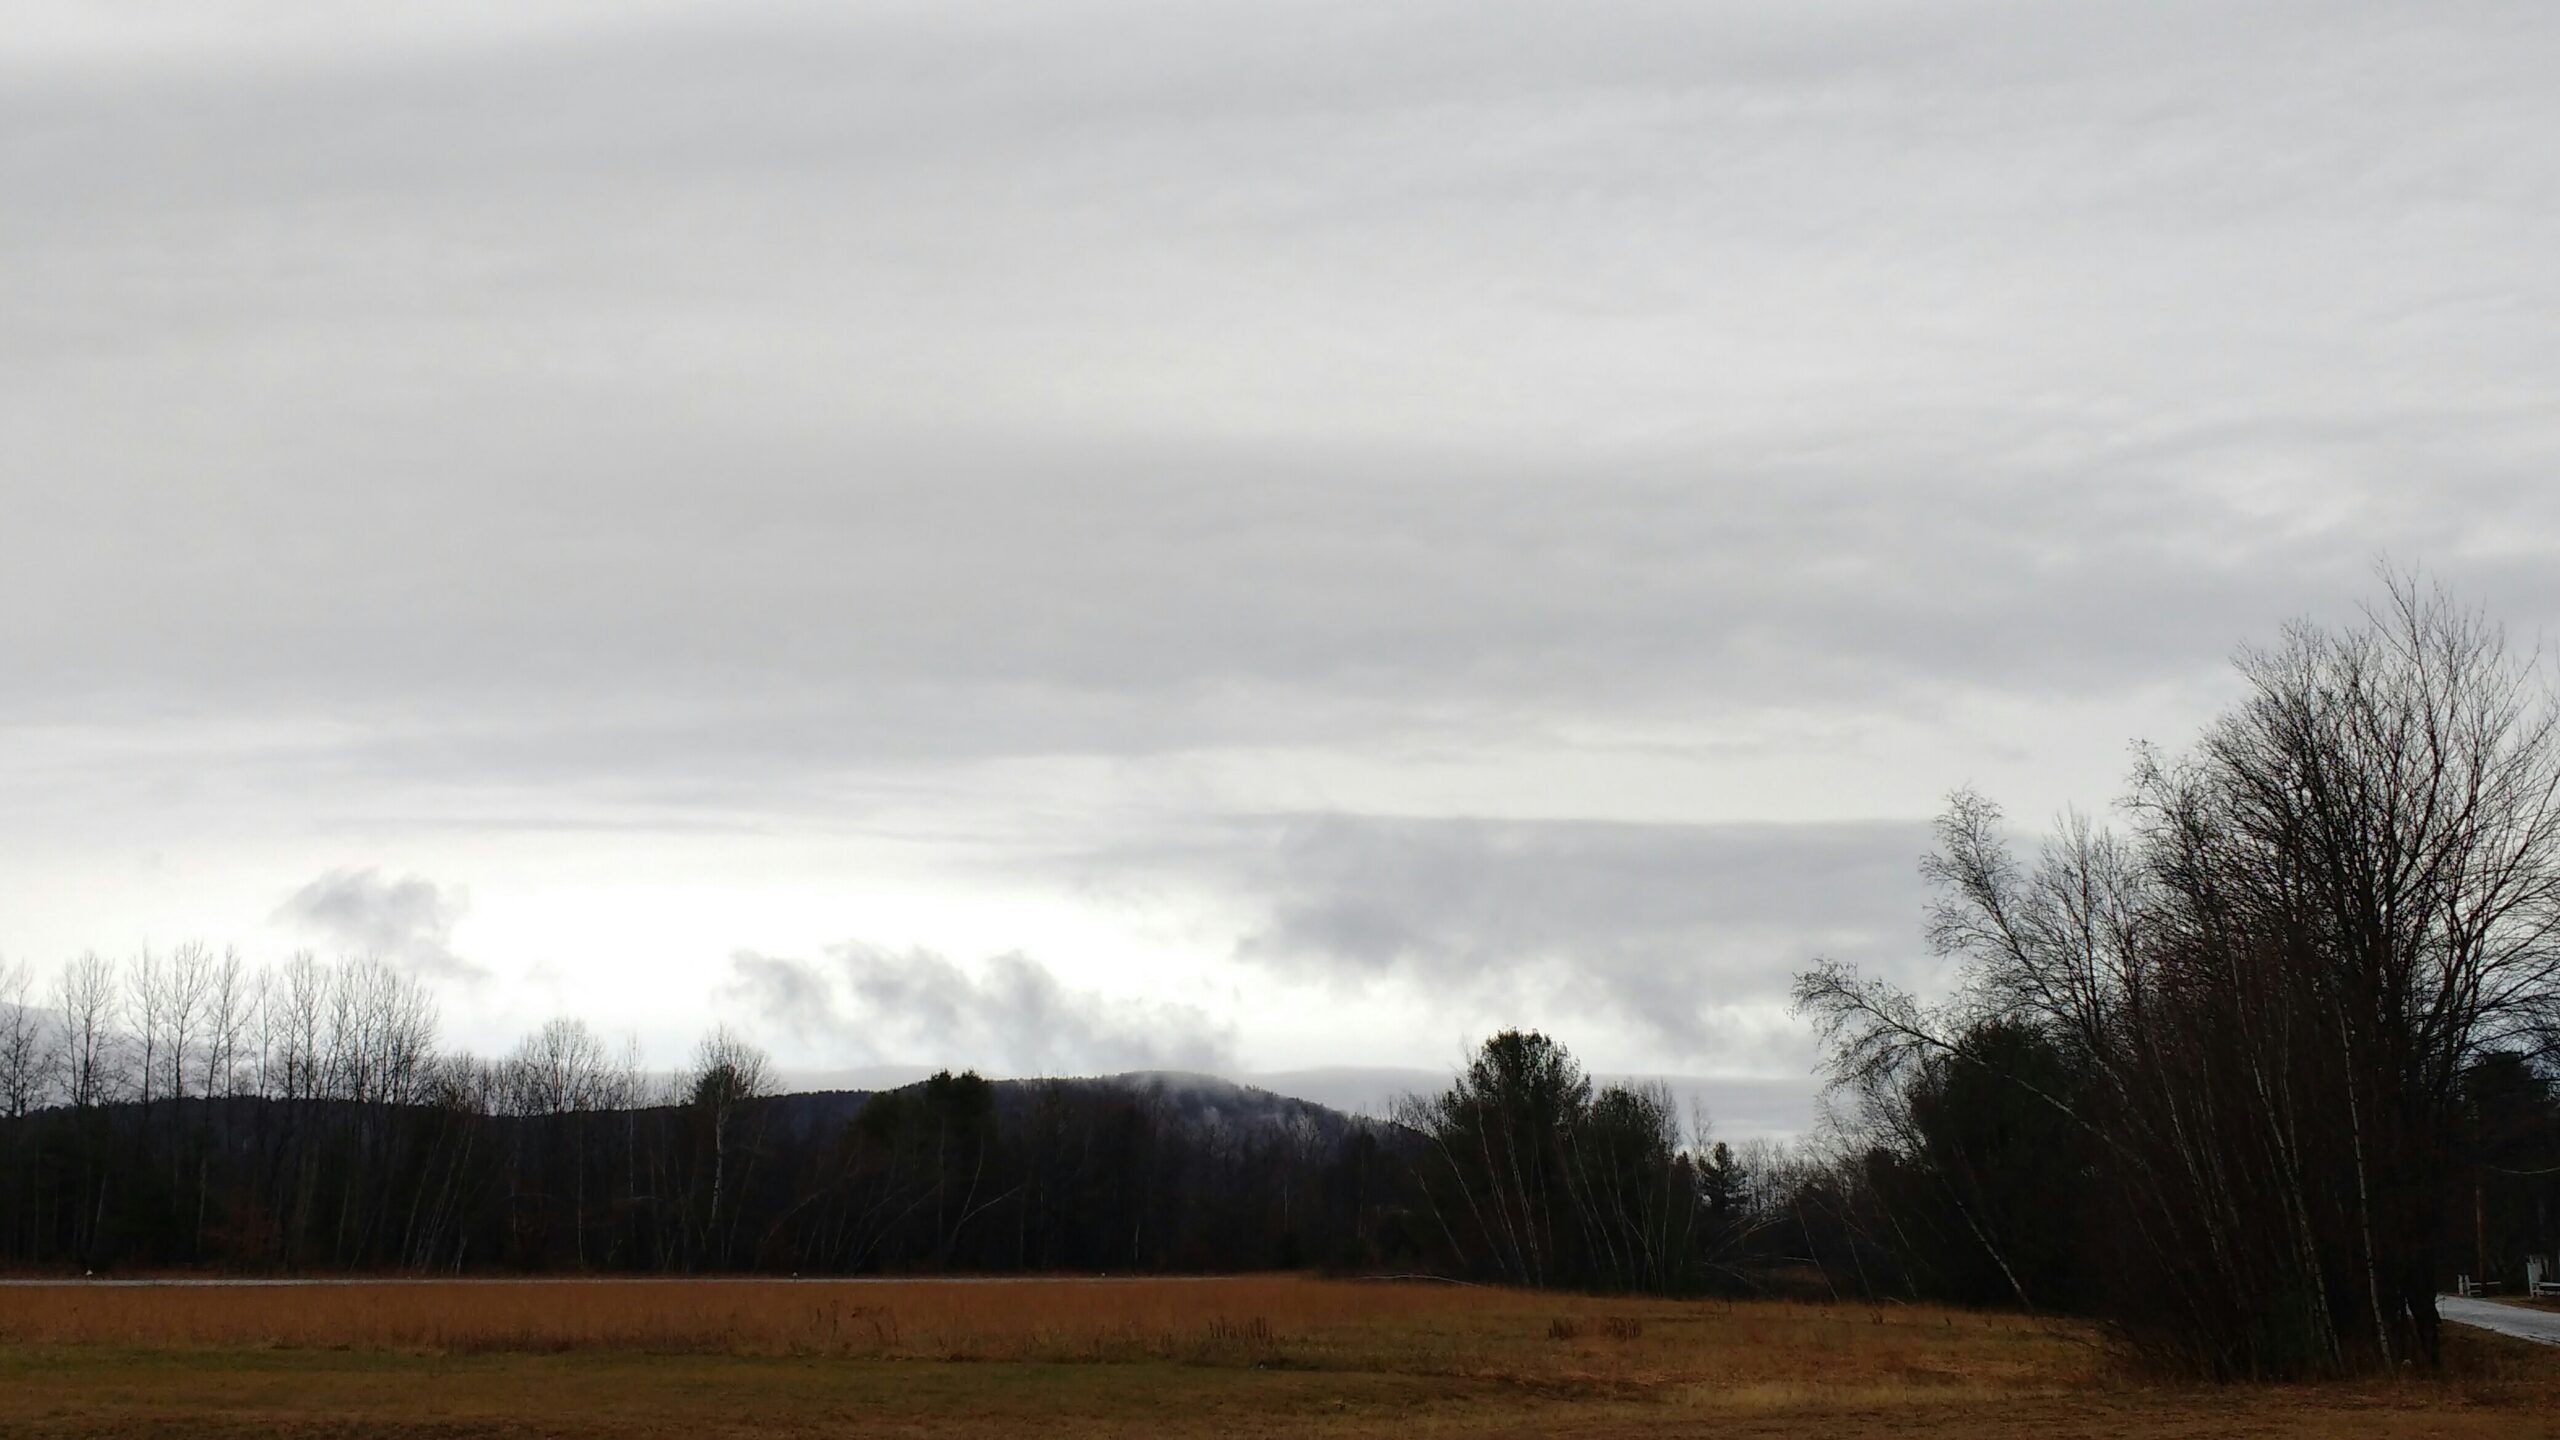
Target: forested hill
[[1203, 1105], [451, 1171]]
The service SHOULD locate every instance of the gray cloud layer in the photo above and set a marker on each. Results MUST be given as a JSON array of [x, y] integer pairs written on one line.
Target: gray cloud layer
[[1684, 934], [724, 395], [682, 416], [408, 921], [1012, 1017]]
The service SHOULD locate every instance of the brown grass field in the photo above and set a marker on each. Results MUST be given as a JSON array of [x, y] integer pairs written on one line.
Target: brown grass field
[[1255, 1356]]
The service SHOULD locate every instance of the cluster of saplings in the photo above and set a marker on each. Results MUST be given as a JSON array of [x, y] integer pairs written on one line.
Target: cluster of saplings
[[2256, 1071], [183, 1110]]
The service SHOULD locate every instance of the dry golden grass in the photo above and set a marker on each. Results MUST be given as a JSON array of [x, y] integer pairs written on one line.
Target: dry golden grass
[[1253, 1355], [1266, 1320]]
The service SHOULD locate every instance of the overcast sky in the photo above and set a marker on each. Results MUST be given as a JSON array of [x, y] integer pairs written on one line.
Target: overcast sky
[[1070, 536]]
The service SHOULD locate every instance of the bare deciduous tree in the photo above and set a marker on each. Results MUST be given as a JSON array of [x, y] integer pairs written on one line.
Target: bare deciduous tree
[[26, 1051], [84, 1009], [728, 1074], [186, 987], [230, 1003]]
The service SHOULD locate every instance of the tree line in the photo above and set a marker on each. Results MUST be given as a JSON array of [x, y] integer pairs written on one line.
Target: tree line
[[185, 1110], [2256, 1069]]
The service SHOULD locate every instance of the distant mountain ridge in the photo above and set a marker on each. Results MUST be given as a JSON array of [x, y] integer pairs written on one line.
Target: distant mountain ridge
[[1202, 1104], [1738, 1108]]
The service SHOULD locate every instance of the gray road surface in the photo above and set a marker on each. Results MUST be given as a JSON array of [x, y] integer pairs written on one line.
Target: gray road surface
[[2516, 1320]]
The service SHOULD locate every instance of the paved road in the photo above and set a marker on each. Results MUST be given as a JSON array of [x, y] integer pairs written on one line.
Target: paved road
[[2516, 1320]]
